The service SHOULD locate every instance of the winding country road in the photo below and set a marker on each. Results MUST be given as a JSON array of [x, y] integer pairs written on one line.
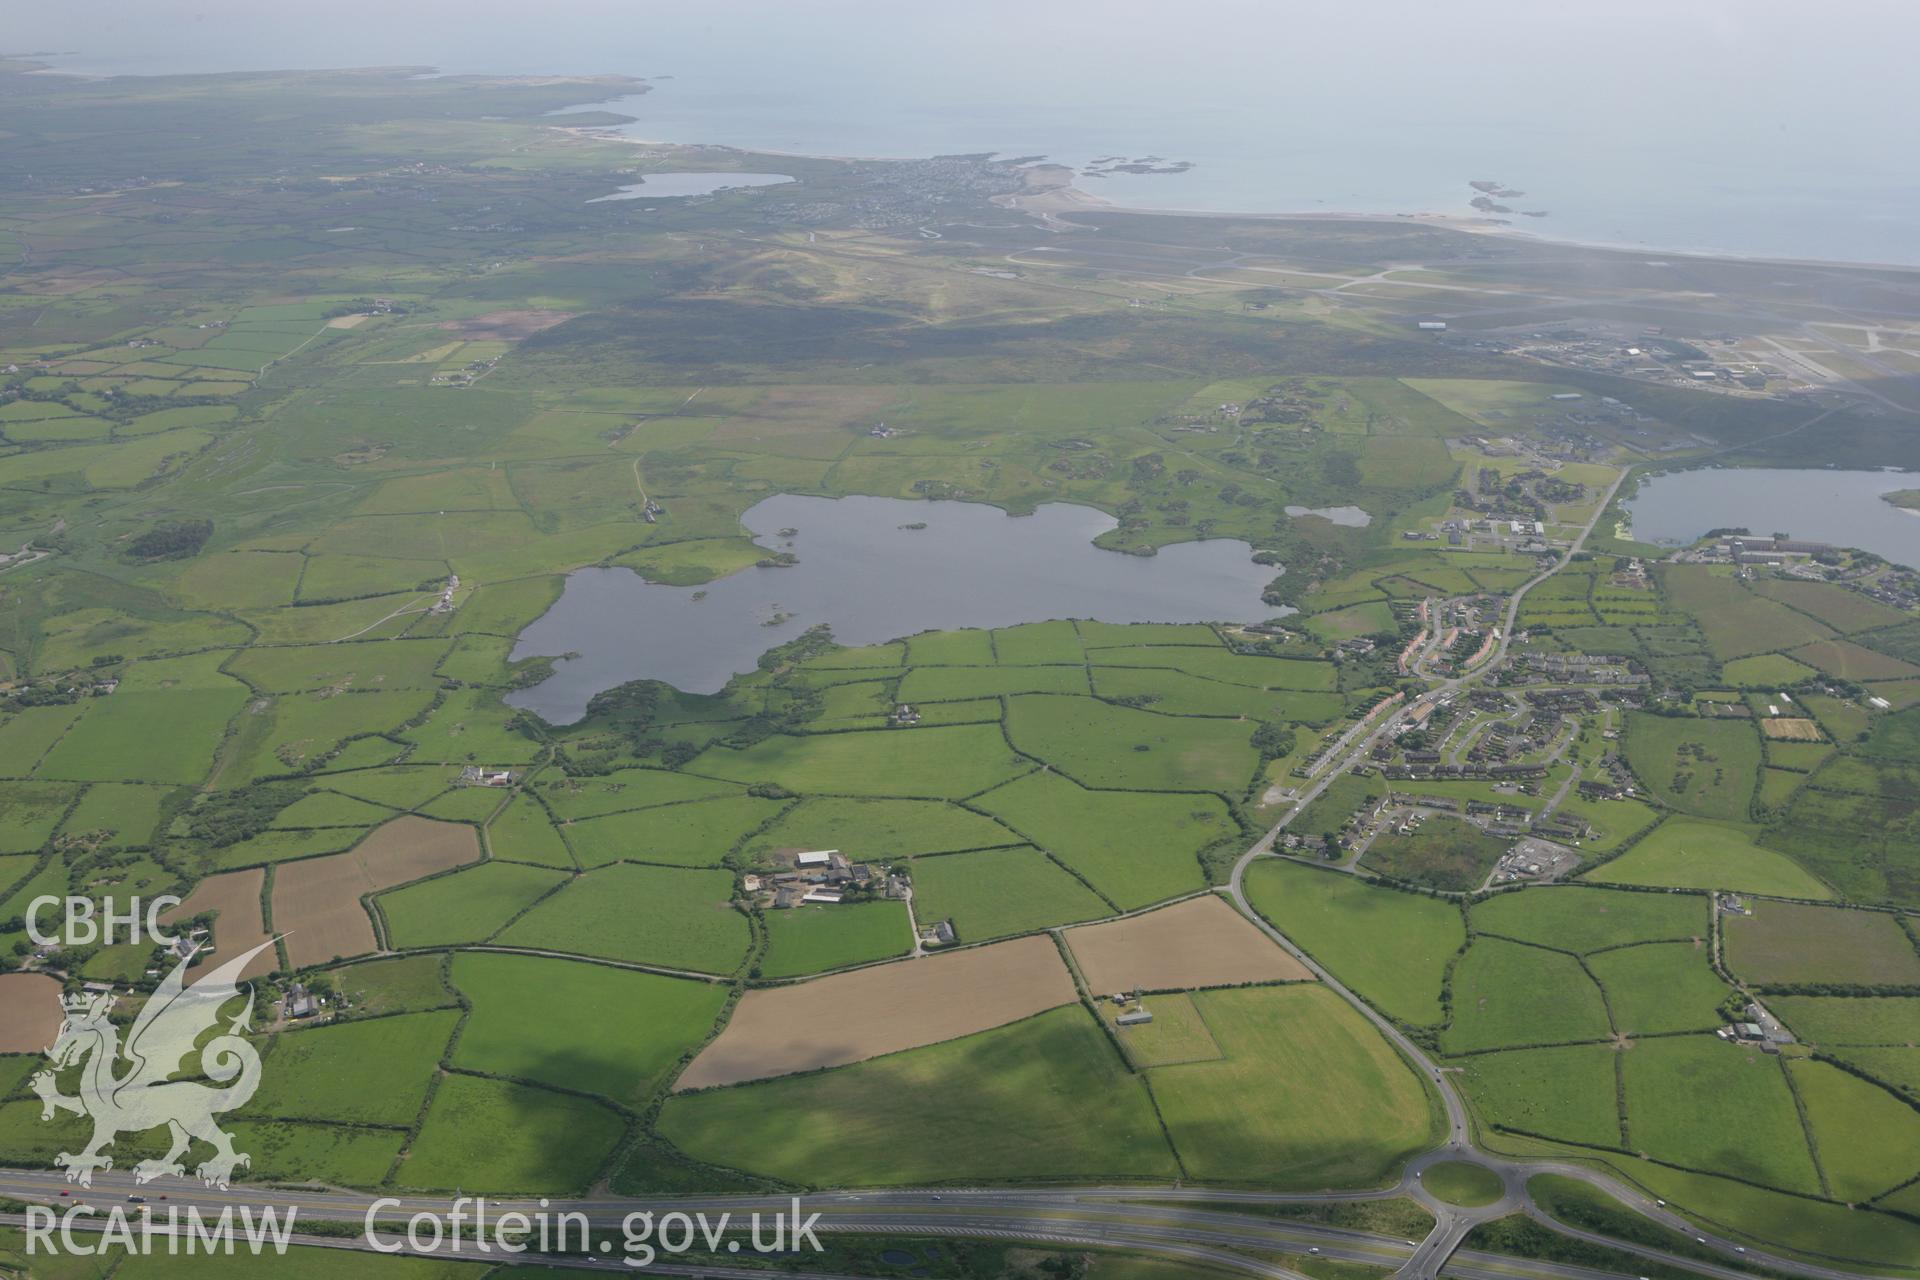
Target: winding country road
[[1196, 1224]]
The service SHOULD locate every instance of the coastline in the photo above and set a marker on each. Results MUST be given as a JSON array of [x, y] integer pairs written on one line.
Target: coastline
[[1054, 202], [1047, 203], [1067, 198]]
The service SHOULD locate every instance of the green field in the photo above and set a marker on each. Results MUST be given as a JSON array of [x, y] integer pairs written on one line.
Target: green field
[[1064, 1108], [1100, 745], [1707, 768], [495, 1136], [997, 892], [588, 797], [1574, 918], [334, 1154], [1458, 1182], [1507, 994], [1133, 847], [404, 985], [1215, 663], [467, 906], [1566, 1092], [126, 815], [932, 763], [29, 811], [1443, 853], [1686, 853], [678, 919], [803, 940], [1736, 621], [1702, 1103], [946, 684], [1390, 947], [1307, 1095], [522, 832], [1178, 1032], [374, 1071], [1868, 1139], [1660, 987], [1172, 692], [700, 834], [162, 730], [1765, 671], [580, 1046], [874, 830], [1833, 1020], [1789, 942]]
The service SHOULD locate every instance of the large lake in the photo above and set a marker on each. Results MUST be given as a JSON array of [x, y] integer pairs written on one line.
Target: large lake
[[1842, 507], [872, 579], [1752, 128]]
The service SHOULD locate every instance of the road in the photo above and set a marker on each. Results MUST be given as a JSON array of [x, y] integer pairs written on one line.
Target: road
[[1451, 1223], [1195, 1224], [1136, 1219]]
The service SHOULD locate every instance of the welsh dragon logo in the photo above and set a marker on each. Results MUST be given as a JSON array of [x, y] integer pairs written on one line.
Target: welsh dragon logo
[[145, 1096]]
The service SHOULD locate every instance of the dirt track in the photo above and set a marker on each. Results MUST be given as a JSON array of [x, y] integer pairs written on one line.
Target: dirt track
[[316, 901], [1202, 942], [853, 1016]]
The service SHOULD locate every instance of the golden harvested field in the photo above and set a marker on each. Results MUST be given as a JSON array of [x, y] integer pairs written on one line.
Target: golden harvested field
[[850, 1017], [1202, 942], [1791, 729], [316, 901], [236, 896], [30, 1013]]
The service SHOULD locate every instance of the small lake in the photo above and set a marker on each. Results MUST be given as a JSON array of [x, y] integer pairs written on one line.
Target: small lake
[[673, 186], [1841, 507], [1345, 517], [866, 573]]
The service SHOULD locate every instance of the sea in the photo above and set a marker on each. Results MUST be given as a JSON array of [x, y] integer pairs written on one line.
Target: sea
[[1740, 127]]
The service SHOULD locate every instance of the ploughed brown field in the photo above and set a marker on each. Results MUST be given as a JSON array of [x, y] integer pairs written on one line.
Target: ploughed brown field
[[235, 895], [316, 901], [30, 1013], [1202, 942], [1791, 729], [850, 1017]]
